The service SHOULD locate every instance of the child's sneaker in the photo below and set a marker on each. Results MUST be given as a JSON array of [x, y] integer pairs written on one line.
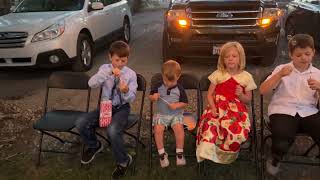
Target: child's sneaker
[[164, 162], [181, 160]]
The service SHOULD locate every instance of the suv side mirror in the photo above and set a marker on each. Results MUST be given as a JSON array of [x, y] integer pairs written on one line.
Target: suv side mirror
[[96, 6]]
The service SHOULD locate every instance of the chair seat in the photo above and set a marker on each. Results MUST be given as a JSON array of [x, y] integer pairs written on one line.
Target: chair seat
[[132, 120], [58, 120]]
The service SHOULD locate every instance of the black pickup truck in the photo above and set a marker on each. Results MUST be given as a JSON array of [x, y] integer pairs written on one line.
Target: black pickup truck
[[303, 16], [198, 28]]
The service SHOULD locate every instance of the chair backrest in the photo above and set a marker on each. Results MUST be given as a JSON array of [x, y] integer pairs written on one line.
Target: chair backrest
[[68, 80], [188, 82], [263, 120]]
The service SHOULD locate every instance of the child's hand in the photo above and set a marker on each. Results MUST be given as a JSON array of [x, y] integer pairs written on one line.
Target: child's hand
[[154, 97], [214, 111], [239, 91], [314, 84], [116, 72], [173, 106], [286, 70], [123, 87]]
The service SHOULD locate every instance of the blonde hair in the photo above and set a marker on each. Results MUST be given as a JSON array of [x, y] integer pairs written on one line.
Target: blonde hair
[[225, 49], [171, 70]]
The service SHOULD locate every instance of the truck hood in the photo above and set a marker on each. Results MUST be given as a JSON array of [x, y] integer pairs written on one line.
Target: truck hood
[[31, 22]]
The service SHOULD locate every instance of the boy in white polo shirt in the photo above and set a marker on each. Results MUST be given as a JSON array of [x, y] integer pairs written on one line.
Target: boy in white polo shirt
[[293, 107]]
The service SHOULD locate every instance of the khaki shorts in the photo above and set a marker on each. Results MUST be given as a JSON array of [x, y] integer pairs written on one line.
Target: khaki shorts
[[167, 120]]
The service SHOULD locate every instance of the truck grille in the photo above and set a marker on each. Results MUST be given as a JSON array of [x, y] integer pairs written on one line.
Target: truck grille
[[13, 39], [224, 14]]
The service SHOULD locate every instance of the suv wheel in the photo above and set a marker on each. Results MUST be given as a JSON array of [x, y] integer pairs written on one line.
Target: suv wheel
[[125, 34], [290, 28], [166, 51], [269, 57], [83, 61]]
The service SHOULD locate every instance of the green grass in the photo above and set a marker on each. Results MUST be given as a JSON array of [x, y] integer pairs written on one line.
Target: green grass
[[67, 167]]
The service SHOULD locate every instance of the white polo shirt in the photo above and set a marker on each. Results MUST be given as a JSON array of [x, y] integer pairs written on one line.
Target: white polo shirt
[[293, 95]]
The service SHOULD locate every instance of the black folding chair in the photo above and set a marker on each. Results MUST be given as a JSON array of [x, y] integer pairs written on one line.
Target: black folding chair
[[265, 134], [133, 120], [61, 120], [189, 82], [252, 148]]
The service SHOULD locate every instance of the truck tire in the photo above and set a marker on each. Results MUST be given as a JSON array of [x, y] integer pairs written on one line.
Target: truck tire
[[166, 50], [125, 34], [269, 57], [290, 28], [84, 58]]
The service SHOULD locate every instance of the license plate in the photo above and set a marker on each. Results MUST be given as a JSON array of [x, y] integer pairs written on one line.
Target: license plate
[[215, 50]]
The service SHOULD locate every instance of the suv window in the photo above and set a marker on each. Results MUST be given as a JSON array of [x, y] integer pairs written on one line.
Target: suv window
[[49, 5], [105, 2]]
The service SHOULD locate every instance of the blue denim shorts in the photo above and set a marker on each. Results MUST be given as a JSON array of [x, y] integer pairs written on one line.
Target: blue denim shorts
[[167, 120]]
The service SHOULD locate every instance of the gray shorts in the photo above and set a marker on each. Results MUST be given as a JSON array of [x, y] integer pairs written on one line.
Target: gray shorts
[[167, 120]]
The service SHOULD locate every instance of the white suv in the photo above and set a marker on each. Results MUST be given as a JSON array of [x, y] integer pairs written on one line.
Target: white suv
[[56, 32]]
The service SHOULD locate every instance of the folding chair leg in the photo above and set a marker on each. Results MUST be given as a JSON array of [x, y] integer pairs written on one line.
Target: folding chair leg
[[104, 138], [136, 138], [40, 149], [135, 158], [150, 150], [310, 148], [54, 136]]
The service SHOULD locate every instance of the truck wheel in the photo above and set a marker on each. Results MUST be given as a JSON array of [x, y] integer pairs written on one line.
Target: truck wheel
[[83, 61], [290, 28], [125, 34], [166, 51], [269, 58]]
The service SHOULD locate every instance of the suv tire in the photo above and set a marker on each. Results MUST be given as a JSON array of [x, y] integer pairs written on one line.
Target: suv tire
[[290, 28], [269, 57], [84, 58], [126, 31], [166, 51]]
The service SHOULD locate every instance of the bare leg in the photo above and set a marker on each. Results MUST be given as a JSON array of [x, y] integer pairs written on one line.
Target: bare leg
[[158, 135], [179, 135]]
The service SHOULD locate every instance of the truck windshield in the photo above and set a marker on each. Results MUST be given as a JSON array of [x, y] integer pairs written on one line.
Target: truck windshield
[[49, 5]]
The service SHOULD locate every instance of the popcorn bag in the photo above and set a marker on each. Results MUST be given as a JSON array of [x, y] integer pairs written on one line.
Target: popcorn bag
[[105, 113]]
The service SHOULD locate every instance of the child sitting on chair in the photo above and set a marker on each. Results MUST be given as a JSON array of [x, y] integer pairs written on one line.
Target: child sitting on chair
[[171, 98], [225, 123], [295, 87]]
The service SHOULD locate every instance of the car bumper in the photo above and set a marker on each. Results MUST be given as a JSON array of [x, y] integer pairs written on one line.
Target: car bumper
[[197, 43], [34, 54]]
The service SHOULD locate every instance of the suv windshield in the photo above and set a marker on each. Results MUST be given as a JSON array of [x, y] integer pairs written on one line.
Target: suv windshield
[[49, 5]]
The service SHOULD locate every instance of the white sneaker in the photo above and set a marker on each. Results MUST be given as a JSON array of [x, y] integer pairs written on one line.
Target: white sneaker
[[271, 169], [181, 160], [164, 161]]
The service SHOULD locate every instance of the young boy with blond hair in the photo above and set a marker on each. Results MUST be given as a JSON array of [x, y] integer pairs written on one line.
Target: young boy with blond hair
[[171, 98]]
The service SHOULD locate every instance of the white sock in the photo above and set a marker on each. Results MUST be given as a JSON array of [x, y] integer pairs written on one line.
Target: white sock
[[179, 150], [161, 151]]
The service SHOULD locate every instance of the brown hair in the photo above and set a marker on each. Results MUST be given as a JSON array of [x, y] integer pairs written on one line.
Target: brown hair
[[224, 50], [119, 48], [300, 41], [171, 70]]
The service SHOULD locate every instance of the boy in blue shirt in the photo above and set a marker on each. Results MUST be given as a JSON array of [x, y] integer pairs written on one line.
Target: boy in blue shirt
[[119, 84], [171, 98]]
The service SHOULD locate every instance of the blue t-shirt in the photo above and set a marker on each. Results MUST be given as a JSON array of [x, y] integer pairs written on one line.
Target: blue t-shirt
[[168, 95]]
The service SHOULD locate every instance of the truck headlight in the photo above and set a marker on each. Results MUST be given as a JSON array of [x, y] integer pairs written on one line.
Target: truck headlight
[[178, 17], [268, 16], [51, 32]]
